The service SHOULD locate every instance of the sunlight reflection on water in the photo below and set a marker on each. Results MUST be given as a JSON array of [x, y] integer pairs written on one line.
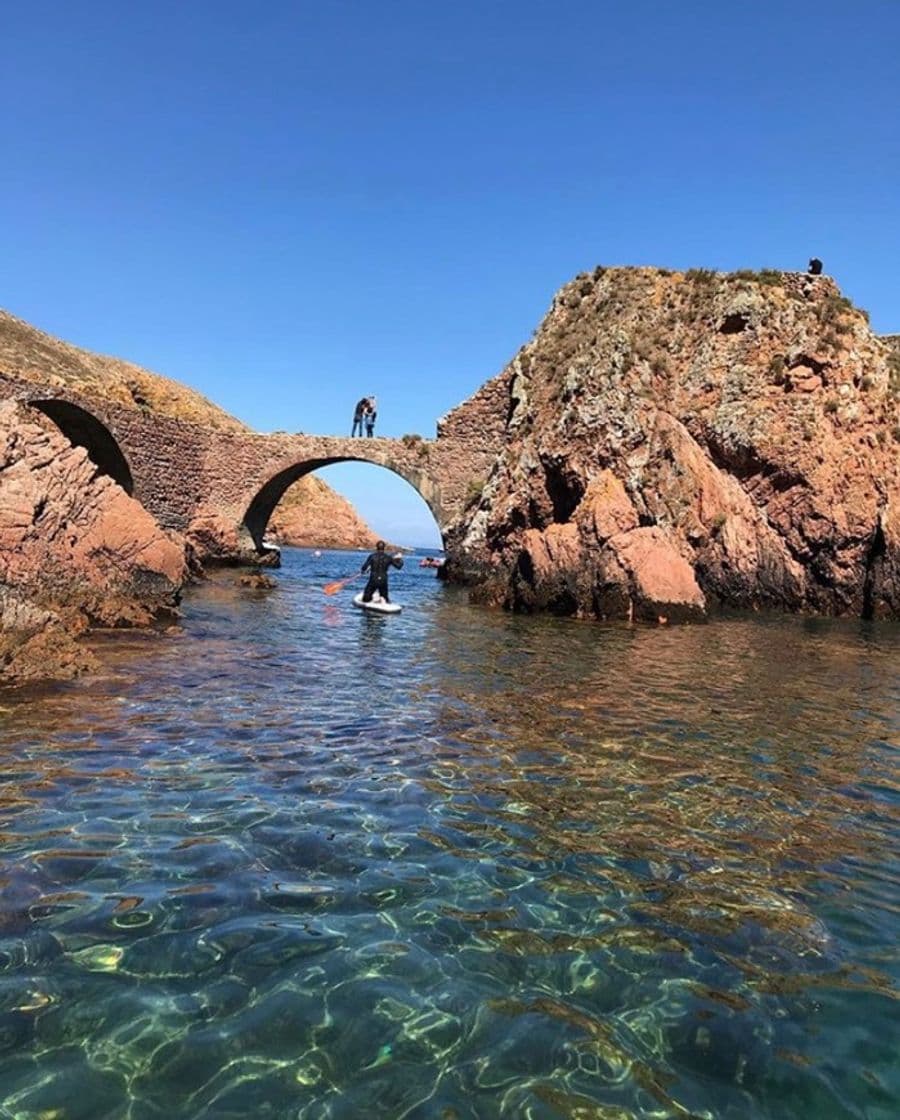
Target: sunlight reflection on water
[[301, 862]]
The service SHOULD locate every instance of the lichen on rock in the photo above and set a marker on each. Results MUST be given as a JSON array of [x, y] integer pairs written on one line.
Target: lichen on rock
[[676, 441]]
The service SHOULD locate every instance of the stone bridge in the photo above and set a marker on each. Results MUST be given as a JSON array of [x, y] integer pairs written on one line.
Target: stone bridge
[[186, 474]]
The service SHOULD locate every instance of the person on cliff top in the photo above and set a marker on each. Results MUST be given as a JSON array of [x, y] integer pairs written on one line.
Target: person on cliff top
[[377, 564], [370, 415], [358, 413]]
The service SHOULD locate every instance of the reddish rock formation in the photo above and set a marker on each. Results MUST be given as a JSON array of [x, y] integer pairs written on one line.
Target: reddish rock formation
[[75, 551], [214, 539], [678, 440], [35, 645], [312, 515]]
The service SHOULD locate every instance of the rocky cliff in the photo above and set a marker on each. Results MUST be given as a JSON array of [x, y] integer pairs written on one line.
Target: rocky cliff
[[32, 355], [75, 552], [675, 441]]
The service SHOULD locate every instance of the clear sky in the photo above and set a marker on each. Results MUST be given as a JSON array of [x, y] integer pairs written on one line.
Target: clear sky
[[289, 205]]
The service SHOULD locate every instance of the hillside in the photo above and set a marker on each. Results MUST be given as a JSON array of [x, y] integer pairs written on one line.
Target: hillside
[[32, 354], [310, 513]]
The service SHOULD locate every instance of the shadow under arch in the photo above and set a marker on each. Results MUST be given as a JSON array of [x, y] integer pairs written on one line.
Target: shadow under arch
[[84, 430], [270, 493]]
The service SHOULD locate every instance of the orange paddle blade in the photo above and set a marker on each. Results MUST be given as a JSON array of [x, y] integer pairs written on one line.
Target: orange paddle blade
[[333, 588]]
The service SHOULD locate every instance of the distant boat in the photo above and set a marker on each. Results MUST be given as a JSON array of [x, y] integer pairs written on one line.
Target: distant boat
[[432, 562]]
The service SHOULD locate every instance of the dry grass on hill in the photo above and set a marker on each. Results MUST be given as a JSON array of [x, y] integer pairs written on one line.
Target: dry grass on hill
[[33, 355]]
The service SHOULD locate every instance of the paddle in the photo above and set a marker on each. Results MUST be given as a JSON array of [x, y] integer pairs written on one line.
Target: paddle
[[338, 584]]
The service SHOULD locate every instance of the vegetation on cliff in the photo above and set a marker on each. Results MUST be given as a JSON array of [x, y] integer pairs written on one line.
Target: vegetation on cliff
[[675, 439], [33, 355]]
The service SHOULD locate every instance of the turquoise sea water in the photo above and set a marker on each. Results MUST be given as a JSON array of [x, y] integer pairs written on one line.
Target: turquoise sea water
[[303, 862]]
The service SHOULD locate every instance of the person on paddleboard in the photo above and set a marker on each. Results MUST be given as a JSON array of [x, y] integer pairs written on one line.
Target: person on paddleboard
[[377, 564]]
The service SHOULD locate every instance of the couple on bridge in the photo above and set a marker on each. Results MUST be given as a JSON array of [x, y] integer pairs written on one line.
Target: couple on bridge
[[364, 413]]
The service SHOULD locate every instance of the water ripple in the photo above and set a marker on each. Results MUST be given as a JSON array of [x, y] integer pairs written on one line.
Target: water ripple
[[304, 863]]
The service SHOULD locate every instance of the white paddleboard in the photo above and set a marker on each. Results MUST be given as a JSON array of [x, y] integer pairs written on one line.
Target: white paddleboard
[[377, 604]]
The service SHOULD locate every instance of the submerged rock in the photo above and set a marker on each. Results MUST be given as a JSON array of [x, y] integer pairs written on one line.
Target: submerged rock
[[257, 581]]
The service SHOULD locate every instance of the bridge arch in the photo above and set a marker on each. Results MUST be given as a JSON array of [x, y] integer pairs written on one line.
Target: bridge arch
[[260, 505], [83, 429]]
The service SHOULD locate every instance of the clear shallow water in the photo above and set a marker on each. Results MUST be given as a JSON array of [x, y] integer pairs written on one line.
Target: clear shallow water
[[302, 862]]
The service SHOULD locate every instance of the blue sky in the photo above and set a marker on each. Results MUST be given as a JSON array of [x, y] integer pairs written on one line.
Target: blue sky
[[290, 205]]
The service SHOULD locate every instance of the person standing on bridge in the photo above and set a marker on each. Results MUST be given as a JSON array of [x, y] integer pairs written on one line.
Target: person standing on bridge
[[358, 413], [377, 565], [371, 414]]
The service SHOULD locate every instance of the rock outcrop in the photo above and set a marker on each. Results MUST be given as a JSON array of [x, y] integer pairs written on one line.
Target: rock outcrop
[[35, 645], [309, 515], [75, 552], [312, 515], [675, 441]]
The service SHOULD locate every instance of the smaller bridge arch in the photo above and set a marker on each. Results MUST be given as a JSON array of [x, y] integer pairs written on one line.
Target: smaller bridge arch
[[260, 504], [83, 429]]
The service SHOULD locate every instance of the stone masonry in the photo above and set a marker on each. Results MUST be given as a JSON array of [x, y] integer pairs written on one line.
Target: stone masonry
[[178, 470]]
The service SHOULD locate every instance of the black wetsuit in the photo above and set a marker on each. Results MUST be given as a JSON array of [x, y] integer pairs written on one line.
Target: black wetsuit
[[378, 564]]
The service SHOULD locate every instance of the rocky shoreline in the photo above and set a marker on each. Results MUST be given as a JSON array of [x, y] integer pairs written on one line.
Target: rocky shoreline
[[665, 444]]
